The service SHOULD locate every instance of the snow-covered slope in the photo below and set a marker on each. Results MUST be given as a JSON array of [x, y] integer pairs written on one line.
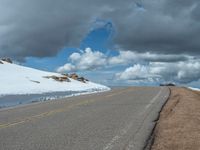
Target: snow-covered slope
[[16, 79], [195, 89]]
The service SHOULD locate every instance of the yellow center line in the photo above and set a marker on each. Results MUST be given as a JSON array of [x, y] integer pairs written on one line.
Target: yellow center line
[[45, 114], [118, 93], [53, 112]]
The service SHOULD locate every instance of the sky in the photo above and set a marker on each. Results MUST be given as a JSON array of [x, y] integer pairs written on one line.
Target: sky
[[132, 42]]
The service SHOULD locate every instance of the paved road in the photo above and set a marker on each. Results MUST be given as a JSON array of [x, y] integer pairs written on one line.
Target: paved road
[[120, 119]]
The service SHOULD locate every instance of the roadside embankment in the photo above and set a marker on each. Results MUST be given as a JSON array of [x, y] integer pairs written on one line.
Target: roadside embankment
[[178, 127]]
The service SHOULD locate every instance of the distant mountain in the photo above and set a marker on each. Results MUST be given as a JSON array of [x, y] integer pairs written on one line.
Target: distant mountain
[[16, 79]]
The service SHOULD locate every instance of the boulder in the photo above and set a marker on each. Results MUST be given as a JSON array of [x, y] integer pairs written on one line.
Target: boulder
[[60, 79], [65, 74], [65, 78], [74, 76], [81, 79], [8, 60]]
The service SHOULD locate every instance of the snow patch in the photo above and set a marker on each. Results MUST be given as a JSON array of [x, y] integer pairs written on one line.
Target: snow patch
[[19, 80], [195, 89]]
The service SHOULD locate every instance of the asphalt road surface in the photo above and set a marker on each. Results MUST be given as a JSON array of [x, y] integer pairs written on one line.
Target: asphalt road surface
[[121, 119]]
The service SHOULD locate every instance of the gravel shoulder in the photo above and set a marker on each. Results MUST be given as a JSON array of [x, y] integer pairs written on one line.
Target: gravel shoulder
[[178, 125]]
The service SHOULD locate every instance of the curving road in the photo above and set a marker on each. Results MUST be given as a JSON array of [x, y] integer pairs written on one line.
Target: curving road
[[121, 119]]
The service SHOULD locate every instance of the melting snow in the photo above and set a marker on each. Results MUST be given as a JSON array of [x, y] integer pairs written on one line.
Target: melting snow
[[196, 89], [17, 80]]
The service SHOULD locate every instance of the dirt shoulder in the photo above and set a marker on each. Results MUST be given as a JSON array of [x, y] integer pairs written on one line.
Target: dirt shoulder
[[178, 127]]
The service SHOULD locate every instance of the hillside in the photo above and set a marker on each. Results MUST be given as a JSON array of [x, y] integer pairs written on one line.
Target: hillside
[[16, 79]]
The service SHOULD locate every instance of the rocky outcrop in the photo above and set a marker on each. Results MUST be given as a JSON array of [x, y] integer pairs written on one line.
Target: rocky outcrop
[[63, 78], [1, 62], [65, 74], [76, 77], [82, 79], [8, 60]]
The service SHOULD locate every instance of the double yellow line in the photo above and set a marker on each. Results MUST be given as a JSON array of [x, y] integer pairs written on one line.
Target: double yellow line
[[45, 114], [53, 112], [122, 91]]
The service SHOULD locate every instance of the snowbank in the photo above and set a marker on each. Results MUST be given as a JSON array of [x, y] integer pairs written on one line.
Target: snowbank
[[17, 80], [195, 89]]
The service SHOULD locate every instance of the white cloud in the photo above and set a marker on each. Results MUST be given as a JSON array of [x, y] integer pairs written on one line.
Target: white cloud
[[87, 60], [75, 57], [67, 68], [181, 72], [133, 73], [137, 72], [124, 57], [91, 60], [143, 67]]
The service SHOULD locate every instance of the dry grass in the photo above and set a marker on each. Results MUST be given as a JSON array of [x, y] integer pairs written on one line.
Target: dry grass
[[178, 127]]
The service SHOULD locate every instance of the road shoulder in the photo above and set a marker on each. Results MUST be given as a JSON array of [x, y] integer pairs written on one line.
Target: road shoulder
[[178, 125]]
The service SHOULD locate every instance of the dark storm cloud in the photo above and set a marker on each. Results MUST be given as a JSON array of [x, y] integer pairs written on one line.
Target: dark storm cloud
[[166, 26], [41, 28]]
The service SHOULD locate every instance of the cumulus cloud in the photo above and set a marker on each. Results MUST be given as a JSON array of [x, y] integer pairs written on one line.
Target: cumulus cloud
[[67, 68], [88, 60], [41, 28], [144, 67], [136, 72], [92, 60], [181, 72]]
